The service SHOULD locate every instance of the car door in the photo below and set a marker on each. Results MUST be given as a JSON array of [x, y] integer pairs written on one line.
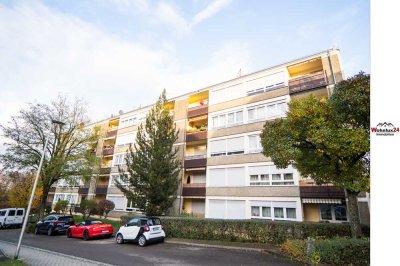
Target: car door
[[11, 216], [19, 217], [45, 223], [132, 229], [79, 229]]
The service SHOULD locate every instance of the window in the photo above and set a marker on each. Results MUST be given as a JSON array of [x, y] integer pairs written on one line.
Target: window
[[255, 144], [119, 159], [71, 198], [228, 119], [115, 178], [291, 213], [11, 213], [333, 213], [227, 177], [128, 122], [227, 146], [269, 175], [278, 213], [3, 213], [133, 222], [267, 111], [255, 113], [125, 140]]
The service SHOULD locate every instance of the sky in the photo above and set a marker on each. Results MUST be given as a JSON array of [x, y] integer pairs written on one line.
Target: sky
[[120, 54]]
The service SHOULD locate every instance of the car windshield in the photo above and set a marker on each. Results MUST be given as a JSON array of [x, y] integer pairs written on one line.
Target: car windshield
[[154, 221], [66, 219], [94, 222]]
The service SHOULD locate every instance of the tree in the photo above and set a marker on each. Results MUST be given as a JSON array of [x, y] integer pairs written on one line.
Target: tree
[[104, 207], [20, 190], [70, 149], [61, 206], [4, 188], [152, 164], [87, 207], [327, 140]]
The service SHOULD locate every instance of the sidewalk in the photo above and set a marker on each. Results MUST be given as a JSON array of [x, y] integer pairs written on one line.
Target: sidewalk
[[252, 247], [37, 256]]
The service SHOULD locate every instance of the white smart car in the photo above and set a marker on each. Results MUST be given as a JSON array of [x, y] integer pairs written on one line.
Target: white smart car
[[141, 230]]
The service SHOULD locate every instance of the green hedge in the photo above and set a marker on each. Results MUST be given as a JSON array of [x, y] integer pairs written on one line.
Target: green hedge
[[336, 251], [258, 231]]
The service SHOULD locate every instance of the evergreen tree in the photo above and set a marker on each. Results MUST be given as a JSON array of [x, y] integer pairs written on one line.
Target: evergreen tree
[[152, 166]]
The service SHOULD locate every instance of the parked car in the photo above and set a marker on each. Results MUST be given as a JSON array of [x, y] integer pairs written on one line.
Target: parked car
[[141, 230], [89, 229], [11, 217], [54, 224]]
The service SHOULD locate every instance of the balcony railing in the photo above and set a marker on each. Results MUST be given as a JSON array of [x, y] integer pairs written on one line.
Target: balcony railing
[[195, 161], [201, 135], [83, 190], [111, 133], [105, 170], [194, 191], [108, 151], [195, 185], [321, 192], [198, 110], [101, 189], [307, 82]]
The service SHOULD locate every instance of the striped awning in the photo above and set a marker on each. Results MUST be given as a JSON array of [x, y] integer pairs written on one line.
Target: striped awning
[[318, 201]]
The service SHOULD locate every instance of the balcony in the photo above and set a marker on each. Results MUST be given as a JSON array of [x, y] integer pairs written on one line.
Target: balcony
[[196, 136], [108, 150], [111, 133], [105, 170], [194, 190], [195, 161], [101, 189], [307, 82], [321, 192], [198, 110], [83, 190]]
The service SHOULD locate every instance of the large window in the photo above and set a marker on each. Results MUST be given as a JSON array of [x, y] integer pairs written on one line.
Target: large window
[[227, 177], [125, 140], [270, 176], [131, 121], [255, 144], [267, 111], [227, 146], [227, 119], [330, 212], [273, 210], [119, 159], [118, 178], [71, 198], [70, 182]]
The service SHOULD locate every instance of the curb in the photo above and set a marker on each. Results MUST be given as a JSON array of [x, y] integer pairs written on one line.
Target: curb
[[263, 250], [60, 254]]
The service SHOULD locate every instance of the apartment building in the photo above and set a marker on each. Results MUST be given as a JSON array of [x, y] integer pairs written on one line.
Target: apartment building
[[225, 174]]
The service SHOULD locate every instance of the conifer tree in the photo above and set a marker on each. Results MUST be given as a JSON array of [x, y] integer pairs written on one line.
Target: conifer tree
[[152, 167]]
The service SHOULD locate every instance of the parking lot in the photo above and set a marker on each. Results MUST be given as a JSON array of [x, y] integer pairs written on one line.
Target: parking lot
[[107, 251]]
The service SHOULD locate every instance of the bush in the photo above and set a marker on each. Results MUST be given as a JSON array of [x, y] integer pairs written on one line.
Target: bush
[[104, 207], [87, 208], [61, 206], [258, 231], [336, 251]]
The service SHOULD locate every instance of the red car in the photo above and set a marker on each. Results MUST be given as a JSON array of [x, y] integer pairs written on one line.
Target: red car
[[89, 229]]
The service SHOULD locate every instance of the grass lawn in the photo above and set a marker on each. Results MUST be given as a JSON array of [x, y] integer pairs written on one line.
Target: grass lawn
[[10, 262]]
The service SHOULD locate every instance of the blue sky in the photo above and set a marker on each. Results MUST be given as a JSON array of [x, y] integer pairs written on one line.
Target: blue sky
[[119, 54]]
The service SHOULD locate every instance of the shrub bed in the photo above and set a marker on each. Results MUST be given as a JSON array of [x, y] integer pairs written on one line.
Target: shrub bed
[[336, 251], [258, 231]]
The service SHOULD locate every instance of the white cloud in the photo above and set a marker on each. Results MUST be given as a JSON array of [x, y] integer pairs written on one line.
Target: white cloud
[[45, 52], [209, 11], [167, 13]]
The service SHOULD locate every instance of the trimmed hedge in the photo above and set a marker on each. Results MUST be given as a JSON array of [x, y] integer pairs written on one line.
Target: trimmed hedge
[[336, 251], [258, 231]]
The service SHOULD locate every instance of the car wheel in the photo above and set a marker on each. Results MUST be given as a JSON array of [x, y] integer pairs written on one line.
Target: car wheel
[[69, 233], [162, 240], [119, 239], [142, 241], [86, 236], [50, 231], [36, 230]]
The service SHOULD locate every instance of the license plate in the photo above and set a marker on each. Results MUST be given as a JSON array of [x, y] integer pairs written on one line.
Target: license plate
[[105, 231], [156, 228]]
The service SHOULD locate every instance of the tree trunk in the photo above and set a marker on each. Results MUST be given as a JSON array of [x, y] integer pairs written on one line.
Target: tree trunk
[[355, 224], [43, 202]]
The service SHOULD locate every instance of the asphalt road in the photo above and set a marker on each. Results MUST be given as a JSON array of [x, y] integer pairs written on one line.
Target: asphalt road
[[107, 251]]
